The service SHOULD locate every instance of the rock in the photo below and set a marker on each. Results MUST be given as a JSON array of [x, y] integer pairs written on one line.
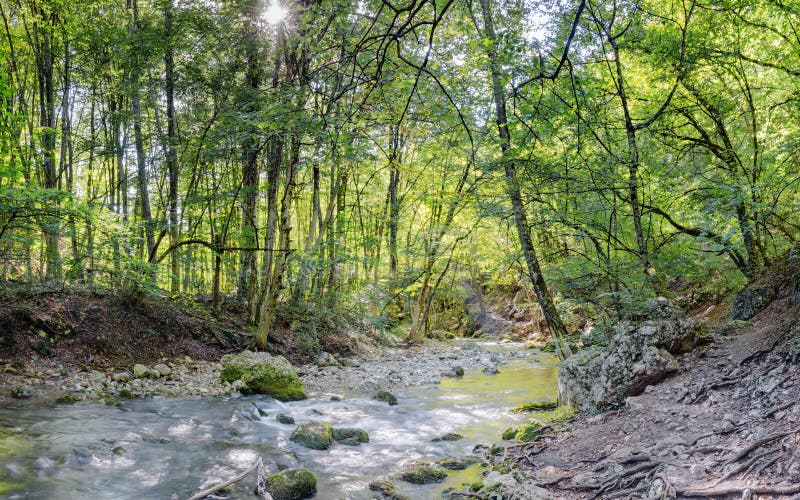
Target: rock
[[140, 371], [458, 463], [386, 396], [292, 484], [495, 479], [121, 377], [490, 370], [450, 436], [386, 489], [327, 359], [23, 392], [314, 435], [639, 354], [283, 418], [67, 399], [162, 369], [421, 472], [350, 436], [535, 406], [697, 471], [751, 301], [263, 374], [459, 371], [585, 480]]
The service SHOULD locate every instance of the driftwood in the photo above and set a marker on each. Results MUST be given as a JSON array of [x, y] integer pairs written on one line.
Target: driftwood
[[260, 486]]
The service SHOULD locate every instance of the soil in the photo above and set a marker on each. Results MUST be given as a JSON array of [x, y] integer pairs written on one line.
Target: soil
[[726, 426]]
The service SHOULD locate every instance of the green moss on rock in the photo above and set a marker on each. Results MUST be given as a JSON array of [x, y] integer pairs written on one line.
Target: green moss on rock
[[350, 436], [528, 432], [263, 374], [292, 484], [423, 473], [536, 406], [313, 435], [387, 397]]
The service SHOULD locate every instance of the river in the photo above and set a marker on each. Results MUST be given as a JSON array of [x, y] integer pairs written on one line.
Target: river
[[169, 448]]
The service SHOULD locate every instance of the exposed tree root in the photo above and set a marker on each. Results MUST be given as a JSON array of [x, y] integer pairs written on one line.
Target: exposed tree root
[[738, 490], [759, 443]]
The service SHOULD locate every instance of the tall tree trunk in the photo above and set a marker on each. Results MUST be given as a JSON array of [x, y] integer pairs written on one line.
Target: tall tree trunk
[[248, 276], [44, 42], [172, 144], [141, 162], [553, 319], [394, 204]]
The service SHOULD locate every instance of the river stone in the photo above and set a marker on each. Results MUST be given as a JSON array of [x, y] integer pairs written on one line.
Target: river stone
[[386, 396], [327, 359], [314, 435], [350, 436], [640, 354], [386, 489], [263, 374], [292, 484], [121, 377], [450, 436], [23, 392], [162, 369], [458, 463], [283, 418], [421, 472], [140, 371]]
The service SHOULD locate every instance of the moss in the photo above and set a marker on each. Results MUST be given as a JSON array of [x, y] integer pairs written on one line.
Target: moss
[[528, 432], [270, 375], [65, 399], [386, 396], [292, 484], [534, 406], [125, 393], [458, 463], [313, 435], [509, 433], [350, 436], [423, 473], [476, 486], [450, 436]]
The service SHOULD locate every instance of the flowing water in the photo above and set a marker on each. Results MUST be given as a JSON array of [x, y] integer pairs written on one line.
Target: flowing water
[[169, 448]]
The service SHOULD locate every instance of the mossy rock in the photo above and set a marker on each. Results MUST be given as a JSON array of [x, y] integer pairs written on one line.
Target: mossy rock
[[386, 396], [528, 432], [386, 489], [450, 436], [534, 406], [509, 433], [313, 435], [66, 399], [350, 436], [263, 374], [423, 473], [458, 463], [292, 484]]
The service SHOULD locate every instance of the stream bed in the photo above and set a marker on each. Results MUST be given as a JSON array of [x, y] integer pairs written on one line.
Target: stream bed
[[169, 448]]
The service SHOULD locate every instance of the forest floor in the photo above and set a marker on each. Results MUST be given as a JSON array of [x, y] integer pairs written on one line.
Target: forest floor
[[726, 426]]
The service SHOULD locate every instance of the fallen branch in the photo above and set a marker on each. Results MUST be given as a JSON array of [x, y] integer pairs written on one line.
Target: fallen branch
[[229, 482]]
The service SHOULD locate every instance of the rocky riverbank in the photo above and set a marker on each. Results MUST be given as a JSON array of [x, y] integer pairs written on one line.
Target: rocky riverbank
[[392, 368]]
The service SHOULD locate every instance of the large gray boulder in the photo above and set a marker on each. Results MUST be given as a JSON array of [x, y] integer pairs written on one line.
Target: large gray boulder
[[640, 354]]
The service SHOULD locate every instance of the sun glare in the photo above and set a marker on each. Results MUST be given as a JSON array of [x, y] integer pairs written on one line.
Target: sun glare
[[275, 13]]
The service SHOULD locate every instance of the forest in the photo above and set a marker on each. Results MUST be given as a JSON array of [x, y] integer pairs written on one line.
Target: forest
[[374, 157], [182, 179]]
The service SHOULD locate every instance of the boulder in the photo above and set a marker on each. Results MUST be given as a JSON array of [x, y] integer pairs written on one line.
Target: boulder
[[350, 436], [458, 463], [751, 301], [283, 418], [23, 392], [292, 484], [450, 436], [313, 435], [327, 359], [140, 371], [162, 369], [386, 396], [263, 374], [640, 354], [422, 472], [121, 377]]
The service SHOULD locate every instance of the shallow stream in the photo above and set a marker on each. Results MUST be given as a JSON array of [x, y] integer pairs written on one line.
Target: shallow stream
[[169, 448]]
